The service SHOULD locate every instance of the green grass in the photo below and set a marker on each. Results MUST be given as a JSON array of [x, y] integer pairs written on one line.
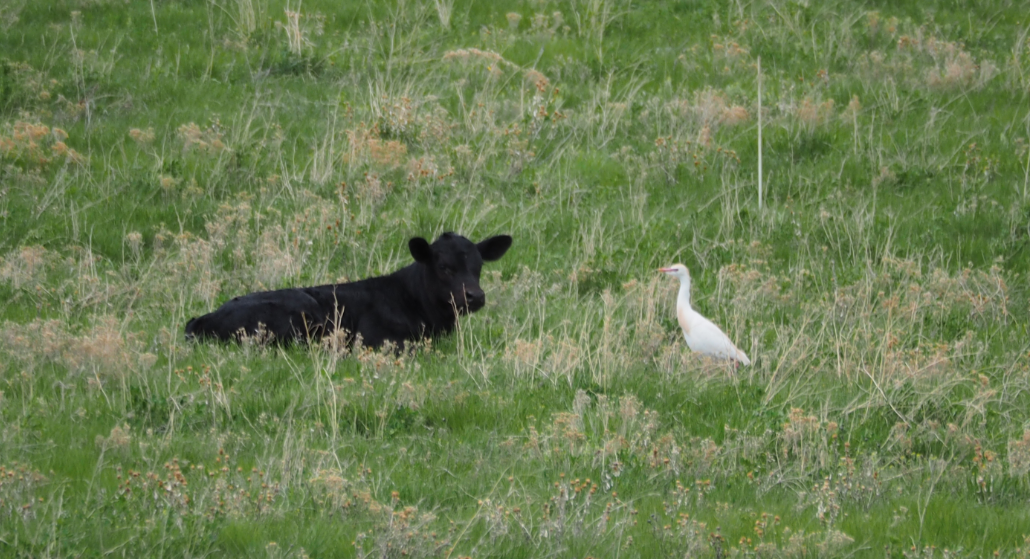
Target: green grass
[[159, 158]]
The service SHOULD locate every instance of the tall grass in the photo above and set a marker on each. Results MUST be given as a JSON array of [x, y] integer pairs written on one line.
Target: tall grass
[[150, 171]]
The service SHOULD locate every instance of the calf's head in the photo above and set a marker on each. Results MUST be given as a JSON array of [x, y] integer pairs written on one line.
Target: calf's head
[[453, 264]]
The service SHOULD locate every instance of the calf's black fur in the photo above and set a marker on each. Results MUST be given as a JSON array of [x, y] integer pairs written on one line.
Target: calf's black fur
[[422, 299]]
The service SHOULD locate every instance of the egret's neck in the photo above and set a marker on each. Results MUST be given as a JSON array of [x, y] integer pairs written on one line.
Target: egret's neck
[[684, 297]]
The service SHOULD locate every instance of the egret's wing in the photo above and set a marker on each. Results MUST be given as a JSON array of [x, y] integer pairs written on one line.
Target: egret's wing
[[706, 338]]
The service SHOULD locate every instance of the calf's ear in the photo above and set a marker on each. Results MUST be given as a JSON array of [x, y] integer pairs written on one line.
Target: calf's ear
[[420, 250], [494, 247]]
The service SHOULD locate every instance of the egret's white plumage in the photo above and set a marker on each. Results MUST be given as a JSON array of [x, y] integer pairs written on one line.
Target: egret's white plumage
[[702, 336]]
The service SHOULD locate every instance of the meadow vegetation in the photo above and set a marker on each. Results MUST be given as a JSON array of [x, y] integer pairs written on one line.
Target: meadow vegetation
[[157, 158]]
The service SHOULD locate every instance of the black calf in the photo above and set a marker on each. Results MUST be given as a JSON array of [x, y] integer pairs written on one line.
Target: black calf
[[421, 300]]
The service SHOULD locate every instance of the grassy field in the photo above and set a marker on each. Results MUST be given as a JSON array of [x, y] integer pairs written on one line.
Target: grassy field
[[159, 157]]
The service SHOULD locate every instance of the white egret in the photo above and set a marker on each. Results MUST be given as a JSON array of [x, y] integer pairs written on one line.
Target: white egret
[[702, 336]]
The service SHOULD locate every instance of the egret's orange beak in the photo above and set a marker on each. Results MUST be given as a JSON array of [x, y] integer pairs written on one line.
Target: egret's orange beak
[[665, 270]]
